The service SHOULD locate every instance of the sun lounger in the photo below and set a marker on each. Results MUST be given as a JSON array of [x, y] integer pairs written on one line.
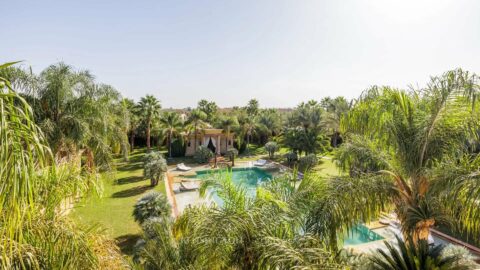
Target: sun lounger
[[190, 186], [260, 162], [384, 221], [182, 167]]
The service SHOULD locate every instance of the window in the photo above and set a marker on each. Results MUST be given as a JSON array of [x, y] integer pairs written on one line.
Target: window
[[189, 144], [229, 142]]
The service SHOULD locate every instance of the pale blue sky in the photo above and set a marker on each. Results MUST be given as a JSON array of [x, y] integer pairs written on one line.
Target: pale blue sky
[[280, 52]]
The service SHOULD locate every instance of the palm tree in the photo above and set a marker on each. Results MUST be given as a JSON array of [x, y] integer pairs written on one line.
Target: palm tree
[[133, 122], [249, 126], [252, 107], [242, 233], [171, 124], [412, 147], [269, 122], [196, 120], [335, 110], [408, 256], [227, 123], [34, 235], [149, 107]]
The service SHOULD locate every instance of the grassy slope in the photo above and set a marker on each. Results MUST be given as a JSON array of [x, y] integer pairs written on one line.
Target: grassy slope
[[113, 211]]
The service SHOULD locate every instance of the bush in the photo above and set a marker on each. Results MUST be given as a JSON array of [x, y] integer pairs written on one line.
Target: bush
[[291, 157], [203, 154], [307, 162], [271, 148], [154, 167], [151, 205]]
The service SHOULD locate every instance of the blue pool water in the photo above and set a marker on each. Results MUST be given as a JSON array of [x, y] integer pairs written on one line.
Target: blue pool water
[[360, 235], [249, 178]]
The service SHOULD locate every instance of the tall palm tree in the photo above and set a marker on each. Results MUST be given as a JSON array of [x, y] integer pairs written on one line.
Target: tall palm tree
[[249, 126], [196, 120], [149, 107], [171, 124], [227, 123], [269, 122], [335, 110], [412, 147]]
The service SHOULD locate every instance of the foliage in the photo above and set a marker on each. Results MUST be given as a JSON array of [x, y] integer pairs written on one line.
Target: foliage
[[420, 256], [149, 109], [154, 167], [244, 233], [271, 148], [291, 157], [413, 138], [465, 258], [171, 125], [34, 233], [252, 107], [203, 154], [210, 109], [151, 205], [307, 162], [178, 147]]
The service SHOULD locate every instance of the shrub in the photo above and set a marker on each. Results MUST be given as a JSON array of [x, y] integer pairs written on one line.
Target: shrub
[[151, 205], [465, 258], [271, 148], [308, 162], [291, 157], [154, 167], [203, 154]]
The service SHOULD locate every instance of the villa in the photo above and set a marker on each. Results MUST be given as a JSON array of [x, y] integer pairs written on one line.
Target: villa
[[213, 138]]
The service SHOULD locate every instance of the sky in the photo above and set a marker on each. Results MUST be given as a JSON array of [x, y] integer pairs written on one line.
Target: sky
[[279, 52]]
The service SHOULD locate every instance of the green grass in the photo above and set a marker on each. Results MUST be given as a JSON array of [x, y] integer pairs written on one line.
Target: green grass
[[113, 210], [327, 167]]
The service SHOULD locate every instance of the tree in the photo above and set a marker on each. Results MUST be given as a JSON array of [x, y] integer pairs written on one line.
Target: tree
[[209, 108], [243, 232], [134, 120], [34, 235], [149, 108], [410, 256], [304, 131], [154, 167], [271, 148], [196, 121], [416, 142], [151, 205], [252, 108], [335, 110], [227, 124], [248, 128], [232, 153], [171, 124], [269, 122]]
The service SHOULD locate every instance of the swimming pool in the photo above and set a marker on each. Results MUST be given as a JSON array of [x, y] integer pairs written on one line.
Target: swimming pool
[[360, 235], [249, 178]]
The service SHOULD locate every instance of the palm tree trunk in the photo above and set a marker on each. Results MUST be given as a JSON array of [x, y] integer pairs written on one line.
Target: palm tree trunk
[[248, 144], [170, 144], [195, 138], [148, 134], [132, 140]]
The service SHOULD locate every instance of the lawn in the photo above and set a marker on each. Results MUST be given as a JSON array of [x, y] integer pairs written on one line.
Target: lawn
[[113, 210]]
